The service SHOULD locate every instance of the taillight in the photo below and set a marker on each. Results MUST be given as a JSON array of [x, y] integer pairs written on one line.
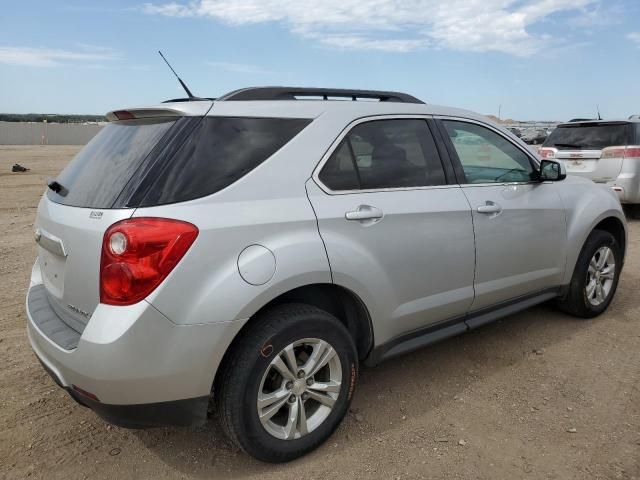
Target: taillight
[[621, 152], [124, 115], [138, 254], [547, 153]]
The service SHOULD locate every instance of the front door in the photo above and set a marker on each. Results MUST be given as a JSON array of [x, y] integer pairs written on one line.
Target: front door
[[519, 223]]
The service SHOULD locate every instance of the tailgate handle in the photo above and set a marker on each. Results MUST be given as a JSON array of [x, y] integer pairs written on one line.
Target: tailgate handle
[[49, 242]]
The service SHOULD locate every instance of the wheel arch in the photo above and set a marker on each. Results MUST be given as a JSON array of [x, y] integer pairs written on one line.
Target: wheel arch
[[339, 301], [611, 221], [615, 227]]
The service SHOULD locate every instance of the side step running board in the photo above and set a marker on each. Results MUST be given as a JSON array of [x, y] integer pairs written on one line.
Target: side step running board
[[449, 328]]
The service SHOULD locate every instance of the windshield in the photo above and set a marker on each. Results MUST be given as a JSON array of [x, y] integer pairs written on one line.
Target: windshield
[[99, 172], [588, 137]]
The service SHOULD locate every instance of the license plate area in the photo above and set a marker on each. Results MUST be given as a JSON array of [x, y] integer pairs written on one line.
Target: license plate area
[[581, 165], [52, 268]]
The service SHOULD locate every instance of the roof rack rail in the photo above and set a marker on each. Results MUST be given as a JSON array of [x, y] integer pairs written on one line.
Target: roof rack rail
[[298, 93]]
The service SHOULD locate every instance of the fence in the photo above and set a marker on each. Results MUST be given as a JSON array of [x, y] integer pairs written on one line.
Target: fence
[[31, 133]]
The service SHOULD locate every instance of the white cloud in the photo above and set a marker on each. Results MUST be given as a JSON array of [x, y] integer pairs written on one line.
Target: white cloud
[[51, 57], [634, 37], [393, 25], [363, 42]]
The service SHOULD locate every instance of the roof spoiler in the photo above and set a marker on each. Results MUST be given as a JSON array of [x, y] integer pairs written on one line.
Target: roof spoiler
[[135, 113]]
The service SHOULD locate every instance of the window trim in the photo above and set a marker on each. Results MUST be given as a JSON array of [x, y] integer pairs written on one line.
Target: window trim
[[450, 182], [455, 159]]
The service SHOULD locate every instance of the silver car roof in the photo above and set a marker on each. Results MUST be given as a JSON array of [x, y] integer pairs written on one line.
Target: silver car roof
[[296, 109]]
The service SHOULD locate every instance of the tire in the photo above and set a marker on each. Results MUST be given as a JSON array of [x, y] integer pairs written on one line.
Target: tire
[[579, 301], [248, 371]]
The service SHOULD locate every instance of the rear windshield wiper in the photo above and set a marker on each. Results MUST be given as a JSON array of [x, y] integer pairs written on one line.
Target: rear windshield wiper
[[567, 145], [57, 187]]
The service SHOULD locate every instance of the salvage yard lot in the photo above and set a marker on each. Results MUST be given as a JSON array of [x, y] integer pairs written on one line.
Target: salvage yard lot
[[536, 395]]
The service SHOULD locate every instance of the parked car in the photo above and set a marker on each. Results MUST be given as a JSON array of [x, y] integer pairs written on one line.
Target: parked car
[[516, 131], [534, 136], [604, 151], [256, 249]]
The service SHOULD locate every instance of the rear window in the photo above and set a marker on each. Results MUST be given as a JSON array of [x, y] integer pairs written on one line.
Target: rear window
[[99, 172], [146, 163], [218, 152], [588, 136]]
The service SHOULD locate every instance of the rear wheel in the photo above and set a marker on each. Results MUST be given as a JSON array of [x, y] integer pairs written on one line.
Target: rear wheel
[[595, 277], [287, 383]]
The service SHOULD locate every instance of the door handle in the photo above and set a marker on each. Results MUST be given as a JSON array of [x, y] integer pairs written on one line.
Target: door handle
[[490, 208], [364, 212]]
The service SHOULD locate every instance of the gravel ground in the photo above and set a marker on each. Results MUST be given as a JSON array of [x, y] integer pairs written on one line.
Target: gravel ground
[[537, 395]]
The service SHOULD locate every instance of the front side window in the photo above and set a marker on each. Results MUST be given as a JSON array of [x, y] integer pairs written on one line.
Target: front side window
[[486, 156], [397, 153]]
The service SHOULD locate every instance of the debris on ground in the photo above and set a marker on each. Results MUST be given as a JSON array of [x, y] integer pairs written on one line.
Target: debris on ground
[[19, 168]]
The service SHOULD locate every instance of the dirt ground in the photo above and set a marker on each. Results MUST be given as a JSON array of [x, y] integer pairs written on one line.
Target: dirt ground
[[537, 395]]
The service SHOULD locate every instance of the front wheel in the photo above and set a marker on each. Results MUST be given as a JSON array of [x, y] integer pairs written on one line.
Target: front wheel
[[287, 383], [595, 277]]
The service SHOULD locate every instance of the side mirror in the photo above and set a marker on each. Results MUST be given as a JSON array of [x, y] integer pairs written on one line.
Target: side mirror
[[552, 171]]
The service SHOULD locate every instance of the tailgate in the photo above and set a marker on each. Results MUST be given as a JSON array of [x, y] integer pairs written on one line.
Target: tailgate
[[69, 245], [589, 163]]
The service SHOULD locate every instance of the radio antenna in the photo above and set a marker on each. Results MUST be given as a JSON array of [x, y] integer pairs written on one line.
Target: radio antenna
[[186, 89]]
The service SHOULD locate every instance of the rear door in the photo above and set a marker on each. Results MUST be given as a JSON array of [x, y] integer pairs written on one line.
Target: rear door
[[395, 231], [519, 223], [584, 148]]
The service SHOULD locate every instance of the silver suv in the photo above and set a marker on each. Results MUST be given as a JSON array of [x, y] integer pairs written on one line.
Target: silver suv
[[605, 151], [255, 249]]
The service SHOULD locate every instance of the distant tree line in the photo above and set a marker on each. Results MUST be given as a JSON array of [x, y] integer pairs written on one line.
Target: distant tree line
[[40, 117]]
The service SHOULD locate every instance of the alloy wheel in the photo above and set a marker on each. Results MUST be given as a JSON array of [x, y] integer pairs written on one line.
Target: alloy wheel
[[299, 388], [600, 276]]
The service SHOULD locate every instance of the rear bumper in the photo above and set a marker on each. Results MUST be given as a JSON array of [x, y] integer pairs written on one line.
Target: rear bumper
[[177, 413], [143, 369], [627, 186]]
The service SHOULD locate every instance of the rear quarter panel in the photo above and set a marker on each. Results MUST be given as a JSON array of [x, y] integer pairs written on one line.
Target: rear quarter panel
[[267, 207], [206, 286]]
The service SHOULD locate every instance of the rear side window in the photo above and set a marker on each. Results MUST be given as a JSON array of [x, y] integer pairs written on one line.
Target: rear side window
[[218, 152], [99, 172], [588, 136], [385, 154]]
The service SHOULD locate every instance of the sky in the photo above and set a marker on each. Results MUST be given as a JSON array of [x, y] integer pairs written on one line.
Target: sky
[[527, 59]]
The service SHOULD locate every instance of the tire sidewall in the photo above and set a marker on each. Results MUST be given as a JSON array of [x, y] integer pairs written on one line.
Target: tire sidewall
[[596, 240], [257, 440]]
